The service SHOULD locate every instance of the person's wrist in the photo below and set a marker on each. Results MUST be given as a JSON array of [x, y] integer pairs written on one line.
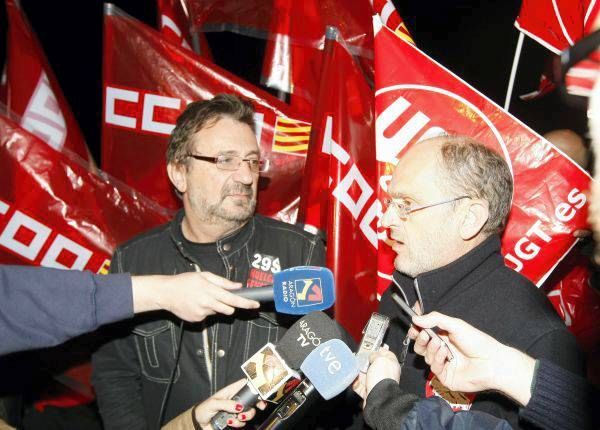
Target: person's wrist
[[195, 421], [513, 374]]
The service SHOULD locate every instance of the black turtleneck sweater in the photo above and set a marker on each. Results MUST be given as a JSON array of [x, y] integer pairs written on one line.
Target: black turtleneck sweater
[[481, 290]]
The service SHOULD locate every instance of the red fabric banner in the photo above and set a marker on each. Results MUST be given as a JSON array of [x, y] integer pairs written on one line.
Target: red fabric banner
[[295, 32], [3, 88], [555, 24], [575, 300], [33, 92], [417, 98], [55, 212], [174, 24], [391, 18], [338, 195], [142, 102]]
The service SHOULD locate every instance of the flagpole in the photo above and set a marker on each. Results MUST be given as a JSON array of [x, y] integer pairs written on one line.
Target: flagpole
[[513, 72]]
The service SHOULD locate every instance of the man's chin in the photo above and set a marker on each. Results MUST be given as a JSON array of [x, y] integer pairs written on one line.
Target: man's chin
[[238, 213], [402, 267]]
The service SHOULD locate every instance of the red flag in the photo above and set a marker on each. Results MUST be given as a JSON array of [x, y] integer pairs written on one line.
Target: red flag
[[3, 88], [340, 182], [55, 212], [174, 24], [575, 300], [141, 105], [580, 78], [555, 24], [33, 92], [296, 31], [416, 97], [391, 18], [289, 64]]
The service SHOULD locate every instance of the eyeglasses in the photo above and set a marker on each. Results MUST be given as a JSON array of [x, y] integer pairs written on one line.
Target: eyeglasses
[[403, 208], [234, 162]]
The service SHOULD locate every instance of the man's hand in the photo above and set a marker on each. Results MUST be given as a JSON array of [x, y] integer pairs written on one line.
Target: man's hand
[[383, 365], [480, 361], [191, 296], [220, 401]]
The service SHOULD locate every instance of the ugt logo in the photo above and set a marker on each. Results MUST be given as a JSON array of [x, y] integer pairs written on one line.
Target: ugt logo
[[308, 291]]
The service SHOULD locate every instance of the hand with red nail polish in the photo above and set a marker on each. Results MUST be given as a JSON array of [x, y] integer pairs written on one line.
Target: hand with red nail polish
[[220, 401]]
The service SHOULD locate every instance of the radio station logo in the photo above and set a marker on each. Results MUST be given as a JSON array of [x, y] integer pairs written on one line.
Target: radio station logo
[[308, 291]]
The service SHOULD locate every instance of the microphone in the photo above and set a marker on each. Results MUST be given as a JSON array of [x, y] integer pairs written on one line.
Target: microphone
[[273, 365], [329, 370], [296, 291]]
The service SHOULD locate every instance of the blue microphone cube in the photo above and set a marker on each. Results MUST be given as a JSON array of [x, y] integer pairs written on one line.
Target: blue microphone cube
[[331, 368], [304, 289]]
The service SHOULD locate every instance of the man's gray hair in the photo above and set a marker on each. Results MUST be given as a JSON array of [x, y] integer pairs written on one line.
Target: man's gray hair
[[201, 114], [474, 170]]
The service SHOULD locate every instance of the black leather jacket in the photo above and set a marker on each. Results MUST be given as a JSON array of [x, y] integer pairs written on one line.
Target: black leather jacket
[[130, 373]]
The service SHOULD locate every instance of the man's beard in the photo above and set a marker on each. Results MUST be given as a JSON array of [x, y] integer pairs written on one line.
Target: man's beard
[[216, 213]]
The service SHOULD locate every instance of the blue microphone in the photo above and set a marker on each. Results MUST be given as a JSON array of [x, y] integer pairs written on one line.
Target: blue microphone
[[331, 368], [296, 291]]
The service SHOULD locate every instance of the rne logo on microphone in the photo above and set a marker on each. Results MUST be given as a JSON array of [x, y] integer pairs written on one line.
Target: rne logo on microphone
[[308, 291]]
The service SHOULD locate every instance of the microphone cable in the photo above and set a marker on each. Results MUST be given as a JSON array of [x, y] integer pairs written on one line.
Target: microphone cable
[[163, 406]]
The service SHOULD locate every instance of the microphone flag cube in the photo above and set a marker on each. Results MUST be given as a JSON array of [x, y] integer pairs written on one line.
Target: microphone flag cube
[[267, 372], [300, 290], [331, 368]]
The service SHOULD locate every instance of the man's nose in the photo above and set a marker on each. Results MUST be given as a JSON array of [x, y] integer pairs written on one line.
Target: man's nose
[[388, 219], [244, 174]]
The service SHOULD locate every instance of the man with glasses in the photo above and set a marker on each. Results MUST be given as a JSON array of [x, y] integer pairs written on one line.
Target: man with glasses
[[214, 163], [449, 200]]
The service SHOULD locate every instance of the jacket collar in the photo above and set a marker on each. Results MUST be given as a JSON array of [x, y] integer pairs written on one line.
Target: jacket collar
[[226, 245], [435, 284]]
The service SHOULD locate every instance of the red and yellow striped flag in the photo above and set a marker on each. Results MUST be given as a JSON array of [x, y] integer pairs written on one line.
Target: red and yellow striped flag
[[291, 136]]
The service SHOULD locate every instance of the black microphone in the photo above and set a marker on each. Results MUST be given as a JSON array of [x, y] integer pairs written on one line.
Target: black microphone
[[273, 365]]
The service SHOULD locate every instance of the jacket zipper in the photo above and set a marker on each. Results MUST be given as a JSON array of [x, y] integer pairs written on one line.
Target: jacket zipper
[[205, 343], [419, 298]]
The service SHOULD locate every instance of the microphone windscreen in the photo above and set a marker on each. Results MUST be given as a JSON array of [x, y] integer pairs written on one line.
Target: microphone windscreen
[[303, 289], [331, 368], [304, 336]]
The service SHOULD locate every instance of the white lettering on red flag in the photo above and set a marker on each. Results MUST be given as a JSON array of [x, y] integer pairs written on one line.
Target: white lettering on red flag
[[141, 106], [418, 98]]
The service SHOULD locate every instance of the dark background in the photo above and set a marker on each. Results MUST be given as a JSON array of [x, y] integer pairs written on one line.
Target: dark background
[[474, 39]]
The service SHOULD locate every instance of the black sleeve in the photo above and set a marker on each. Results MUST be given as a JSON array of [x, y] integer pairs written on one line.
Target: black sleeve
[[387, 406], [559, 347], [42, 307], [116, 376], [559, 399]]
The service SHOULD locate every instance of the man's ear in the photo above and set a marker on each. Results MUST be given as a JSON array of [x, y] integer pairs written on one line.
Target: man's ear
[[476, 215], [176, 172]]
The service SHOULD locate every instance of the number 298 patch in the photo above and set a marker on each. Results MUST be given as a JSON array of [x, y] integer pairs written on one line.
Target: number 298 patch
[[266, 263], [262, 270]]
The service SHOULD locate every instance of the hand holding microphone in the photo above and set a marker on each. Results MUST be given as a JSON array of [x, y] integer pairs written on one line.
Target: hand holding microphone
[[329, 369], [274, 365]]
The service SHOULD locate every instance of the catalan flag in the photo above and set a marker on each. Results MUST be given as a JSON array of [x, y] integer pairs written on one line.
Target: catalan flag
[[291, 136]]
